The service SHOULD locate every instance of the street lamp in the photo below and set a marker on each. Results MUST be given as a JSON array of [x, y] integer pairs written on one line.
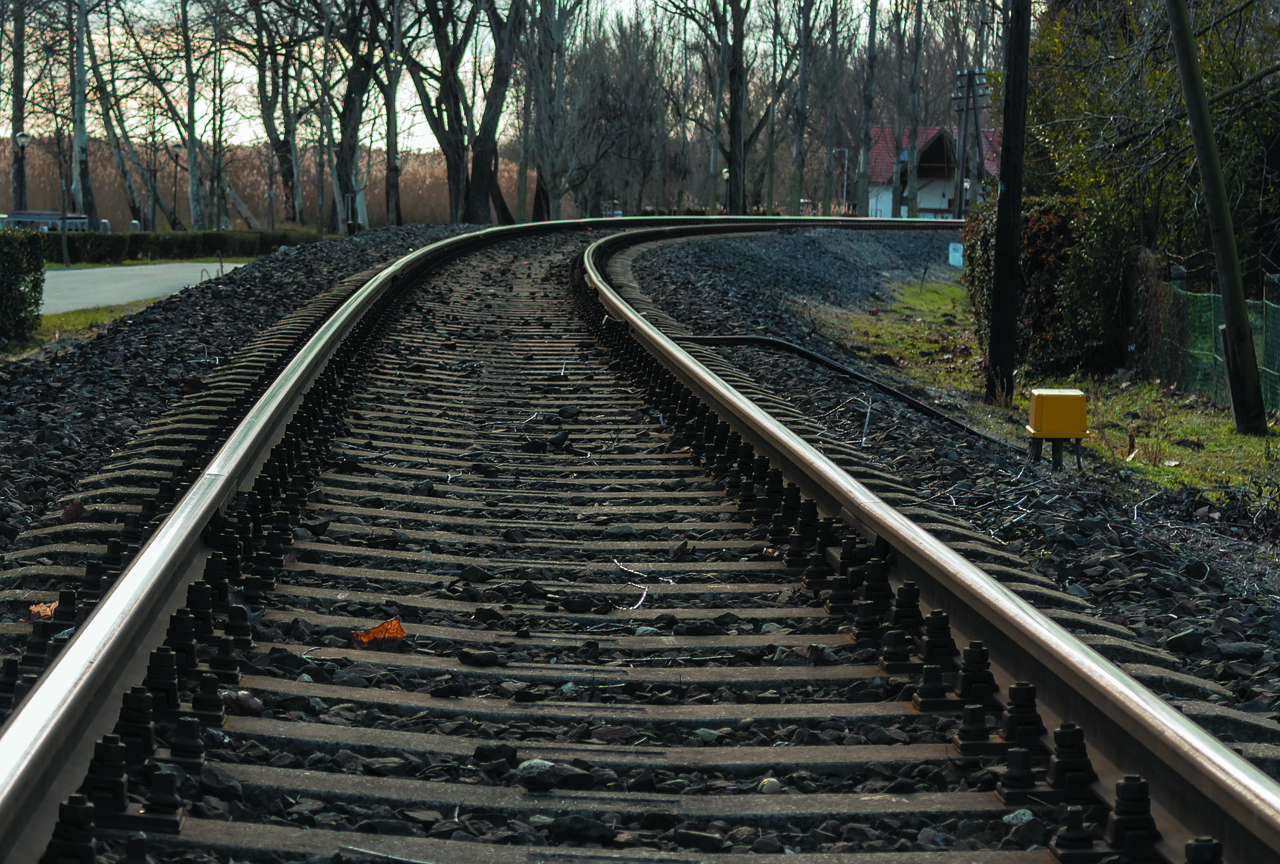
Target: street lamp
[[22, 139]]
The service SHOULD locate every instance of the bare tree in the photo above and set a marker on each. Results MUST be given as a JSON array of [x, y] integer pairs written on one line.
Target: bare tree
[[345, 27], [632, 59], [800, 104], [81, 182], [775, 26], [568, 139], [392, 38], [913, 112], [18, 115], [105, 89], [190, 132], [483, 191], [441, 93], [863, 197], [272, 39], [836, 62], [723, 27]]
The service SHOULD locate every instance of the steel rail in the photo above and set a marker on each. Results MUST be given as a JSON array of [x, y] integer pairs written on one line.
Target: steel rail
[[48, 740], [1196, 778], [77, 697]]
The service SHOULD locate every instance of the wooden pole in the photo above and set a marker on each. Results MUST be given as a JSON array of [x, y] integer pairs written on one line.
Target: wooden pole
[[1006, 290], [1247, 406]]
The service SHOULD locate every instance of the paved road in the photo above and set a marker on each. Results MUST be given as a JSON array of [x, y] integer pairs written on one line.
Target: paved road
[[65, 290]]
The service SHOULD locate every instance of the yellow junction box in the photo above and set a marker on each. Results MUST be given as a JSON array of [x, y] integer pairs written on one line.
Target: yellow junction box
[[1058, 414]]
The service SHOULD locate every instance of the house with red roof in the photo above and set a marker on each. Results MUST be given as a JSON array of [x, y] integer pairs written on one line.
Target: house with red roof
[[936, 146]]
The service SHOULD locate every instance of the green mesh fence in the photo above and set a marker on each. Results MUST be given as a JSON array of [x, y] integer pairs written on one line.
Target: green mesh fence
[[1182, 343]]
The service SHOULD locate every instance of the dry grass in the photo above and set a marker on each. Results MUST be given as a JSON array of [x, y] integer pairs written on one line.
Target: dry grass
[[925, 341], [61, 329]]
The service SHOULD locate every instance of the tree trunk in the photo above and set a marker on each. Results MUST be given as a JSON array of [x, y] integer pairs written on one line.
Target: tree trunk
[[829, 124], [484, 187], [230, 195], [713, 147], [18, 163], [1006, 281], [194, 192], [62, 197], [771, 150], [901, 110], [394, 216], [913, 128], [443, 113], [81, 186], [319, 172], [738, 108], [978, 170], [522, 173], [863, 197], [1247, 406], [347, 151], [541, 201], [391, 60], [113, 140], [149, 180], [800, 111], [219, 99]]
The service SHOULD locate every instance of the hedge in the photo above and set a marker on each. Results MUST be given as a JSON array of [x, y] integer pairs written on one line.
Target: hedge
[[102, 248], [21, 284], [1074, 310]]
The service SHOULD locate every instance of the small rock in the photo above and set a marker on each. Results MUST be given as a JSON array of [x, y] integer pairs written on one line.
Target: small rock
[[481, 658], [770, 786]]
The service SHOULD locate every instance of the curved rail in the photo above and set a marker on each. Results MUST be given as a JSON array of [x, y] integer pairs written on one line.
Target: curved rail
[[1214, 790], [75, 699]]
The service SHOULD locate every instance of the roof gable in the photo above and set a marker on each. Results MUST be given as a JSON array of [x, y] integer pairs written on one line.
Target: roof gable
[[887, 154]]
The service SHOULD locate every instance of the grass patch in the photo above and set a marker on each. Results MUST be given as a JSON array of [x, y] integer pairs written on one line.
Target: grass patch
[[925, 342], [62, 328], [227, 260]]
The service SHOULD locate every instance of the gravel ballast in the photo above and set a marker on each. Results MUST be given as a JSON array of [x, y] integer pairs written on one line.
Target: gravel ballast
[[1194, 615], [63, 412]]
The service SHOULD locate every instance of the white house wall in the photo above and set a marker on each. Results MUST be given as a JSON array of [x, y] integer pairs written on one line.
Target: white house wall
[[933, 195]]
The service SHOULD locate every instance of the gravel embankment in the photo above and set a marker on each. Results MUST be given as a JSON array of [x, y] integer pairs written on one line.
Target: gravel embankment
[[1188, 601], [1181, 599], [63, 412]]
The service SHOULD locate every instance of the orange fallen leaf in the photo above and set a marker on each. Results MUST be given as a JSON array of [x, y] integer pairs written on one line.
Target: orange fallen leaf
[[40, 611], [385, 637]]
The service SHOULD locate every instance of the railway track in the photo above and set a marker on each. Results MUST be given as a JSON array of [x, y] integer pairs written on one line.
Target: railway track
[[506, 579]]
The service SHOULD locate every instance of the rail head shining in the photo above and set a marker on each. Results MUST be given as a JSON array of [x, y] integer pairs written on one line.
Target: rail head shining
[[46, 742], [1249, 800], [77, 698]]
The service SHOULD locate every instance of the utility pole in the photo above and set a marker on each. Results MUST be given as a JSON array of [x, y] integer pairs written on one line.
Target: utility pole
[[1247, 406], [1006, 287]]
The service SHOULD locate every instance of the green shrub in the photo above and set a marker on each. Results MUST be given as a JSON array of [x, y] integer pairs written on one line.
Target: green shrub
[[51, 245], [102, 248], [141, 245], [106, 248], [21, 284], [1072, 311]]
